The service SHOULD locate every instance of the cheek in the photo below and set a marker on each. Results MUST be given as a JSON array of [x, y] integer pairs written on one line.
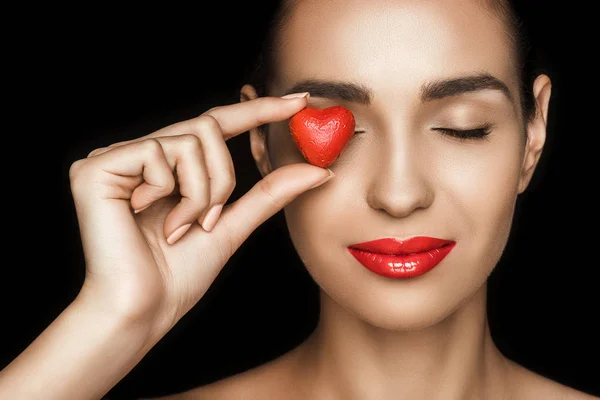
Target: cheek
[[323, 215], [476, 194], [482, 185], [324, 220]]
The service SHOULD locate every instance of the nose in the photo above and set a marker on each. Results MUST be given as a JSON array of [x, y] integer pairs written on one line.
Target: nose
[[401, 181]]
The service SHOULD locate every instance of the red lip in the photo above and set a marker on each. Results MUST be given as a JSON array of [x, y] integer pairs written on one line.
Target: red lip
[[396, 258]]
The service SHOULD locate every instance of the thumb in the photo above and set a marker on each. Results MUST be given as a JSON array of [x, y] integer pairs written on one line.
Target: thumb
[[265, 199]]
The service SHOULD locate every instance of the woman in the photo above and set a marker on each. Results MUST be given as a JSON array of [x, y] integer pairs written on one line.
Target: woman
[[448, 134]]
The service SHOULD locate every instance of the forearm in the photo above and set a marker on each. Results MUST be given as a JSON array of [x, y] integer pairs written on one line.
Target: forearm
[[81, 355]]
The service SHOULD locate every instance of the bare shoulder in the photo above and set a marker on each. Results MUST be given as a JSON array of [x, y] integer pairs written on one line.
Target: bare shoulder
[[271, 380], [531, 385], [275, 380]]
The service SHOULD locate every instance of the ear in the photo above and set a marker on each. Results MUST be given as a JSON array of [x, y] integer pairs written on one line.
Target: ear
[[536, 130], [258, 136]]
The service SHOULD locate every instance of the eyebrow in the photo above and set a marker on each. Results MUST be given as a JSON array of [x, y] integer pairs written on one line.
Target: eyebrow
[[346, 91], [356, 93], [452, 87]]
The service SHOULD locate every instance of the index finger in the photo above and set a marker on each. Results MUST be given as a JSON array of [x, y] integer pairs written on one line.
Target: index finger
[[232, 119], [237, 118]]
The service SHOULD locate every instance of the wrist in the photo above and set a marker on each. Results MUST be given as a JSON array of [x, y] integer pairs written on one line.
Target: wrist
[[147, 321]]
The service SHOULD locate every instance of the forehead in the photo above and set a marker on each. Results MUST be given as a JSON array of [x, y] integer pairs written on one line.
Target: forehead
[[387, 44]]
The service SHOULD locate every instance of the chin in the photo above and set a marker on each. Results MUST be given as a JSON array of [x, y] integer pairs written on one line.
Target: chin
[[401, 304], [406, 310]]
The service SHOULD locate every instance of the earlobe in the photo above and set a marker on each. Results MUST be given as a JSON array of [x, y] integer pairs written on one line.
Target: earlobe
[[536, 130], [258, 138]]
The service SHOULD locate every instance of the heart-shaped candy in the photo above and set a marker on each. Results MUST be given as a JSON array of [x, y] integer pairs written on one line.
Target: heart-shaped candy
[[322, 134]]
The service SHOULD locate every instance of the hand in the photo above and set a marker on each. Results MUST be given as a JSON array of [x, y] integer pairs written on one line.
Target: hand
[[154, 230]]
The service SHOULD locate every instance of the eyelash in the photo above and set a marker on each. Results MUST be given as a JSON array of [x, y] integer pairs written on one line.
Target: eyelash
[[466, 134]]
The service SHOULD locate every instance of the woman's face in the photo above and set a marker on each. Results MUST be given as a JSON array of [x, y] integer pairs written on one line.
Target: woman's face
[[401, 176]]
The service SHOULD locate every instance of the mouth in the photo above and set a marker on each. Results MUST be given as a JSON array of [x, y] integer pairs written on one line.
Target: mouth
[[395, 258]]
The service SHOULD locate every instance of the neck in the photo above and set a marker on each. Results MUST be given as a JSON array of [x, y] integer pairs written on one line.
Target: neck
[[454, 359]]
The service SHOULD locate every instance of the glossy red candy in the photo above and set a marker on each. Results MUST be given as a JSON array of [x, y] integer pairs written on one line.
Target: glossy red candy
[[321, 134]]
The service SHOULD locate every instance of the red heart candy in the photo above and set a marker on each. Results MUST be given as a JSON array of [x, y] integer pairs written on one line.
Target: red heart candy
[[322, 134]]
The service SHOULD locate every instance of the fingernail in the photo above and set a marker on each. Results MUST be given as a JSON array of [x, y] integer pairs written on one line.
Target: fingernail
[[295, 95], [178, 233], [141, 209], [210, 220], [331, 175]]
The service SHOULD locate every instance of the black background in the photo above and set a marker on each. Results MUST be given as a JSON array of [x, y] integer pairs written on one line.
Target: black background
[[104, 75]]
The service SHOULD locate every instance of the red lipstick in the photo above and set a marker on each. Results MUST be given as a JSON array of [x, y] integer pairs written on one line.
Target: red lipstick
[[394, 258]]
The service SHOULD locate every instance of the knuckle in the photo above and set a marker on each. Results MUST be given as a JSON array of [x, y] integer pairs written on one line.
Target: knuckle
[[223, 191], [206, 123], [80, 177], [226, 184], [190, 142], [230, 182], [75, 169], [267, 188], [168, 184], [152, 147]]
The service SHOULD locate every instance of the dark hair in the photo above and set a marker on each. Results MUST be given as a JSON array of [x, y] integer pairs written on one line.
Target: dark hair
[[509, 11]]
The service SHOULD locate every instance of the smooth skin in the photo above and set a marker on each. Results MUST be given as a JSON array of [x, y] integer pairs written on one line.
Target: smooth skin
[[425, 338]]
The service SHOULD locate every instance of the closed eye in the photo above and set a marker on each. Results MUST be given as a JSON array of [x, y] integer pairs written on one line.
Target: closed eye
[[477, 133]]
